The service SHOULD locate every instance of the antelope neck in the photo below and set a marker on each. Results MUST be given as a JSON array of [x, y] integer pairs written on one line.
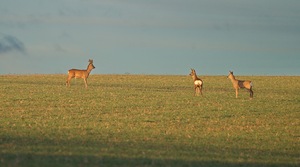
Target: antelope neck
[[233, 80], [195, 78]]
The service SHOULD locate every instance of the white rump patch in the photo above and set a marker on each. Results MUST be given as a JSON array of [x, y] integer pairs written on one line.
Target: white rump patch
[[198, 82], [251, 84]]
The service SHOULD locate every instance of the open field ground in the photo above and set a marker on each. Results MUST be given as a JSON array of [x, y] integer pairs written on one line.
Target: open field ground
[[144, 120]]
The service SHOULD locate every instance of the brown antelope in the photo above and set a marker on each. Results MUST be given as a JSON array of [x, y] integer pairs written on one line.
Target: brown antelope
[[198, 83], [237, 84], [75, 73]]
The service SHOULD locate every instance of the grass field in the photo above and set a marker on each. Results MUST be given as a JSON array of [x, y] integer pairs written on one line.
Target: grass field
[[148, 120]]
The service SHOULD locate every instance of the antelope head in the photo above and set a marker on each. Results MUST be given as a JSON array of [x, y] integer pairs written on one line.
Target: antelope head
[[230, 75], [91, 64], [193, 72]]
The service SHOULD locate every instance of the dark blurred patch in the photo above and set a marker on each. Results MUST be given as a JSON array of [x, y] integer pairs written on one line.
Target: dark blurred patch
[[10, 43]]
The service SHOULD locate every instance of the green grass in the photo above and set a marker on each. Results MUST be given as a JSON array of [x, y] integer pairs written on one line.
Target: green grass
[[144, 120]]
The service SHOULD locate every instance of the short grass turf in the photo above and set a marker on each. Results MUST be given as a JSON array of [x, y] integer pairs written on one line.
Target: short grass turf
[[148, 120]]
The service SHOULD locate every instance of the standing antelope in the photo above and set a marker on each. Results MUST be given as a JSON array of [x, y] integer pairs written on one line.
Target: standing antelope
[[237, 84], [80, 73], [198, 83]]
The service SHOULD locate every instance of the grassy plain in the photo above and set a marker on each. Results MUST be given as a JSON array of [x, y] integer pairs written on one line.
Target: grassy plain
[[148, 120]]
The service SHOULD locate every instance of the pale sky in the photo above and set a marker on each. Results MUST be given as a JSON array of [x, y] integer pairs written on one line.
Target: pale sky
[[250, 37]]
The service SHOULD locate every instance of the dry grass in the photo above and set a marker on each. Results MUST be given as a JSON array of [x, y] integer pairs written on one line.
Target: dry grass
[[142, 120]]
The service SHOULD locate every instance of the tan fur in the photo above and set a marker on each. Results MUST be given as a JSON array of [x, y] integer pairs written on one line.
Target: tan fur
[[237, 84], [75, 73], [198, 83]]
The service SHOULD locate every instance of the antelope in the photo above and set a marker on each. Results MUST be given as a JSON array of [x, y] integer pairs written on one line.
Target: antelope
[[237, 84], [198, 83], [75, 73]]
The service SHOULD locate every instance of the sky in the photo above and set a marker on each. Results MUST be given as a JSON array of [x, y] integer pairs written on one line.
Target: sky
[[156, 37]]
